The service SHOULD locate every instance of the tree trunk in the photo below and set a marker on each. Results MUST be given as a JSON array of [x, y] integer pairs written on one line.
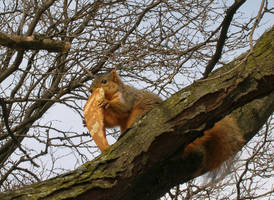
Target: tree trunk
[[147, 161]]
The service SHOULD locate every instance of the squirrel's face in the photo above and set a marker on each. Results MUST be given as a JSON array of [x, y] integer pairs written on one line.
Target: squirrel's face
[[108, 82]]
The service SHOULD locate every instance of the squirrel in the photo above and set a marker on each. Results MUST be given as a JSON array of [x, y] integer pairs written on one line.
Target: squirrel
[[123, 105]]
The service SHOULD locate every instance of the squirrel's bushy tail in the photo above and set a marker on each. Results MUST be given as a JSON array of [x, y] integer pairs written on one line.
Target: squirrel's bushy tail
[[217, 145]]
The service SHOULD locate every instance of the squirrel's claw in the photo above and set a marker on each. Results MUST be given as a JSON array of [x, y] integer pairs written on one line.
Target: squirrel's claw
[[103, 104]]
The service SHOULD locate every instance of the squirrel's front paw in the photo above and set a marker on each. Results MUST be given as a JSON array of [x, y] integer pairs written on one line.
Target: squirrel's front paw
[[103, 103], [84, 123]]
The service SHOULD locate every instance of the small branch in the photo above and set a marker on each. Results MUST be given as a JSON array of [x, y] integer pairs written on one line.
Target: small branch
[[96, 68], [5, 176], [220, 44], [35, 42], [250, 45], [254, 26], [6, 121]]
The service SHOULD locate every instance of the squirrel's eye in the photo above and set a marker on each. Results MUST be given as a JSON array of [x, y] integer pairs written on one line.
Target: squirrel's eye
[[104, 81]]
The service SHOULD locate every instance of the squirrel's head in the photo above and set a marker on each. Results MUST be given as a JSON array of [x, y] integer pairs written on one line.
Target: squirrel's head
[[110, 82]]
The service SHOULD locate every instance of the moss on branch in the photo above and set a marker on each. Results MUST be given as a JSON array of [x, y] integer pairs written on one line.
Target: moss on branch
[[146, 162]]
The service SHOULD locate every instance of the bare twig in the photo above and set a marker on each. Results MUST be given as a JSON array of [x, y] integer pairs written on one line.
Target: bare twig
[[250, 52], [220, 44], [6, 121], [254, 25]]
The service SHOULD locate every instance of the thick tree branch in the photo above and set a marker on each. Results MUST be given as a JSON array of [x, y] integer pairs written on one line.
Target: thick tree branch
[[36, 42], [148, 160]]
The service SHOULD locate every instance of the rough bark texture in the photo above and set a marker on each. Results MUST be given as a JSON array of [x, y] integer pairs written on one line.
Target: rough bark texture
[[147, 160]]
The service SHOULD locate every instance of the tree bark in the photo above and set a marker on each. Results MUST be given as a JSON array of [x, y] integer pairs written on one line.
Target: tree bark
[[147, 161], [35, 42]]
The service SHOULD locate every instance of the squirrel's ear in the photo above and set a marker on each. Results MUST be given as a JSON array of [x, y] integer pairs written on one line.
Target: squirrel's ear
[[115, 76]]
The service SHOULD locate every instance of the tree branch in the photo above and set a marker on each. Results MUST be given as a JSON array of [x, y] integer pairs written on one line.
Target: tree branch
[[35, 42], [221, 41], [147, 161], [6, 122]]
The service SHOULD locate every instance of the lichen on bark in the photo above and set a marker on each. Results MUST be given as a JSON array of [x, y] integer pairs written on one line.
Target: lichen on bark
[[145, 162]]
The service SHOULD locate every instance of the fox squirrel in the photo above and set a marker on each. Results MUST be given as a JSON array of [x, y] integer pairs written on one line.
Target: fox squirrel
[[123, 105]]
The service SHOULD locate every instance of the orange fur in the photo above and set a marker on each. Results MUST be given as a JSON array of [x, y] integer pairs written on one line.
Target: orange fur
[[135, 114], [218, 144]]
